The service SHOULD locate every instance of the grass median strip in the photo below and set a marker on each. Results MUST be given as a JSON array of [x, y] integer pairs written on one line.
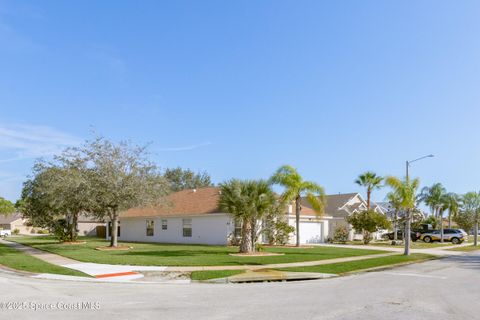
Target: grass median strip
[[14, 259], [161, 254], [207, 275], [466, 248], [345, 267]]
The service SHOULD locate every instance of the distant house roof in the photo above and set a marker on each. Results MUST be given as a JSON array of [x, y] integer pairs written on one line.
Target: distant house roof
[[333, 204], [83, 218], [10, 218], [341, 205], [182, 203]]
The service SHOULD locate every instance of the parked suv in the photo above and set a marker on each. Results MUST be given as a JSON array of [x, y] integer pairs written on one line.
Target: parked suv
[[455, 236]]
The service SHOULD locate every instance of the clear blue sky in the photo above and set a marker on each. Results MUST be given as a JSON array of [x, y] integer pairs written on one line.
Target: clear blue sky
[[333, 88]]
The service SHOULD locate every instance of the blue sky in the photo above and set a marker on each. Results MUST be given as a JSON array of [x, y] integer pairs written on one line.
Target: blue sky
[[333, 88]]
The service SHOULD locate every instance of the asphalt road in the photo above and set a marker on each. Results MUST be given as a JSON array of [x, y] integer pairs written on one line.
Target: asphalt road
[[443, 289]]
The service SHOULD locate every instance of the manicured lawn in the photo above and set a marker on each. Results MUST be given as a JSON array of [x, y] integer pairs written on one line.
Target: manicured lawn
[[15, 259], [206, 275], [339, 268], [466, 248], [181, 255]]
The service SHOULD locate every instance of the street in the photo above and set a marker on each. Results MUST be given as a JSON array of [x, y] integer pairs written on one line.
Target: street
[[440, 289]]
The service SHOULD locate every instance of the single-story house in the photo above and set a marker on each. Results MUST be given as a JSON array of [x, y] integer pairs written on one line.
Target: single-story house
[[193, 216], [15, 221]]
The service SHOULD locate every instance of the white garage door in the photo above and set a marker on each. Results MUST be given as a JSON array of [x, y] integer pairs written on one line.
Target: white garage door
[[311, 232]]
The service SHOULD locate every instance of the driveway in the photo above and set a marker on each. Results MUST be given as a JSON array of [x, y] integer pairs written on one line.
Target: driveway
[[439, 289]]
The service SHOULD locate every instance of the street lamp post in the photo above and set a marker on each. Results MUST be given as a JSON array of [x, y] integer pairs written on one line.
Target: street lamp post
[[406, 236]]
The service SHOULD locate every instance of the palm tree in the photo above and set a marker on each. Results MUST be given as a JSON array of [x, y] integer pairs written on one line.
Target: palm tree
[[247, 202], [371, 181], [406, 191], [295, 187], [471, 204], [395, 202], [435, 198], [452, 204]]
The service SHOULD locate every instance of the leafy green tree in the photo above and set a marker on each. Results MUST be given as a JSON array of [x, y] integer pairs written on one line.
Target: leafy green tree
[[57, 191], [368, 221], [121, 178], [294, 188], [406, 191], [471, 206], [465, 220], [6, 207], [248, 202], [181, 179], [371, 181]]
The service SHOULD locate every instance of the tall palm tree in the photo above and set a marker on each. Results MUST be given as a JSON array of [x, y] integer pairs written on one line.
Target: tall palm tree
[[295, 187], [471, 204], [452, 204], [247, 202], [435, 198], [406, 191], [395, 202], [371, 181]]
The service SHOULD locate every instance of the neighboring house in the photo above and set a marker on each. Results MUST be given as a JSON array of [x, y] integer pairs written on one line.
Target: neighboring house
[[192, 216], [317, 229], [188, 216], [15, 221]]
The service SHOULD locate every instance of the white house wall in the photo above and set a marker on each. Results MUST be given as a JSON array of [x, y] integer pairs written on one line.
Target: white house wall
[[211, 229]]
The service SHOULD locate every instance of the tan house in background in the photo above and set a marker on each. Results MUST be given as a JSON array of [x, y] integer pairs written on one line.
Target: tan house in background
[[15, 221]]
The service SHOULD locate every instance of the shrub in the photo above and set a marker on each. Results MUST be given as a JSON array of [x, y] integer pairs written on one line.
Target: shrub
[[259, 247], [340, 234], [60, 230], [279, 233], [41, 231], [16, 231]]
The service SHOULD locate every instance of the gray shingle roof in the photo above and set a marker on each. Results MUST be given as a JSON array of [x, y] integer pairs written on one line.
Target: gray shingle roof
[[10, 218], [333, 204]]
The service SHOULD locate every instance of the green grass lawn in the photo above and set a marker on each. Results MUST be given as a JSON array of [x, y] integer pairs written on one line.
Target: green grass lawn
[[18, 260], [344, 267], [181, 255], [466, 248], [207, 275], [414, 245]]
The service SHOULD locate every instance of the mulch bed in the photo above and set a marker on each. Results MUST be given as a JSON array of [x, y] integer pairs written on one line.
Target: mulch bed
[[290, 246], [256, 254], [119, 248], [71, 243]]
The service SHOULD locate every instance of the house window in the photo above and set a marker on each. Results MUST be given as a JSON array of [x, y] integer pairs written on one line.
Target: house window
[[150, 227], [164, 224], [238, 230], [187, 227]]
